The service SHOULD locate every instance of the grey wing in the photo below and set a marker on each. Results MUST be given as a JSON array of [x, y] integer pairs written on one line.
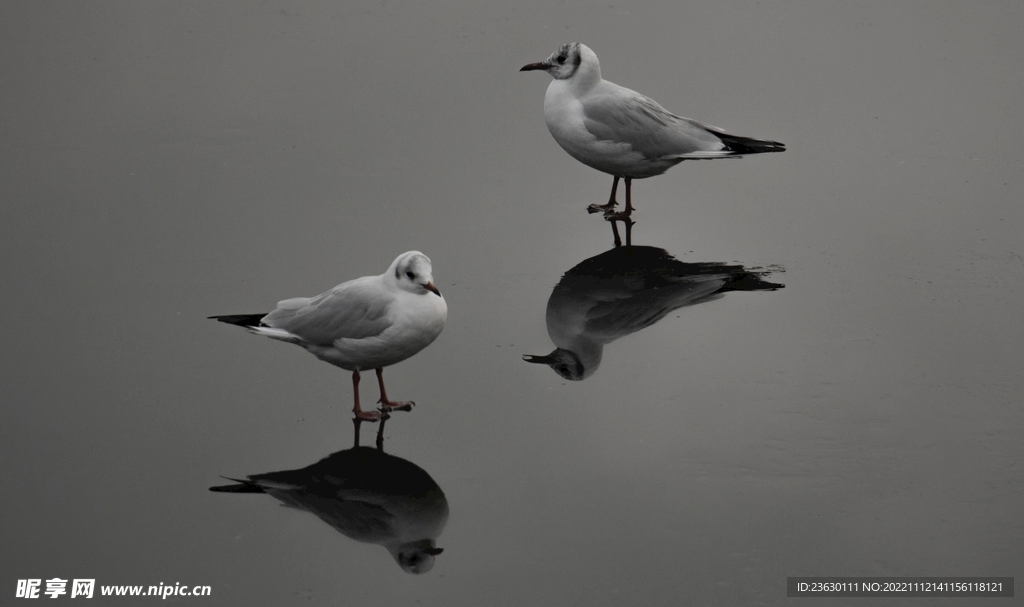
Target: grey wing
[[354, 310], [614, 319], [620, 115]]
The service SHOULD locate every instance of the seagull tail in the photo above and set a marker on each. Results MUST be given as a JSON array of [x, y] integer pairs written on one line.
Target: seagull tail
[[240, 487], [751, 281], [248, 321], [745, 145], [254, 322]]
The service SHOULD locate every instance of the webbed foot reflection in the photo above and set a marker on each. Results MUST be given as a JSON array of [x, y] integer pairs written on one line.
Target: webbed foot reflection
[[628, 223], [366, 495], [624, 290]]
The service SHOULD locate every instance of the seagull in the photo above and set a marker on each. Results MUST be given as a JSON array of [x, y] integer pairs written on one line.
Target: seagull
[[367, 323], [621, 132], [625, 290]]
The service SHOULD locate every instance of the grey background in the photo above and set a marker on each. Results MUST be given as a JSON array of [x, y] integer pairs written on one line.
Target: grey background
[[164, 161]]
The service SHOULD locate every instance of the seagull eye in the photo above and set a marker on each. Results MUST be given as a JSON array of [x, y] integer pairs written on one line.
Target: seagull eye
[[561, 58], [410, 275]]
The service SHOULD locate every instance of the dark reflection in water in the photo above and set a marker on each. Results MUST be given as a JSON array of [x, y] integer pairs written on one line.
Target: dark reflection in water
[[366, 495], [626, 289]]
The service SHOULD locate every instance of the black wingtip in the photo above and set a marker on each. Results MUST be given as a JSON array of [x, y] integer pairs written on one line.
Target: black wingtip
[[752, 281], [241, 320], [746, 145], [241, 487]]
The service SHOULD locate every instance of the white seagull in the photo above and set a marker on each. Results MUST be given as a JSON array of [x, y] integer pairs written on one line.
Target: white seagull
[[621, 132], [367, 323]]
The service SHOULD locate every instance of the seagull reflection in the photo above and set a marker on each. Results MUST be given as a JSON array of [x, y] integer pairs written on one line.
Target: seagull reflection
[[368, 496], [624, 290]]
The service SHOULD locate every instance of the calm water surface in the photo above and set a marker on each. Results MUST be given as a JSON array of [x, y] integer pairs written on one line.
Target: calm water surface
[[164, 162]]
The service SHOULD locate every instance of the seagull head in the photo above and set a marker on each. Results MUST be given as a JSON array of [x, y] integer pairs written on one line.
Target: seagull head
[[564, 62], [413, 272], [564, 362], [417, 556]]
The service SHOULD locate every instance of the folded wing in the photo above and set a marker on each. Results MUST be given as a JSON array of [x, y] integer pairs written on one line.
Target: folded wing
[[612, 113], [353, 310], [620, 115]]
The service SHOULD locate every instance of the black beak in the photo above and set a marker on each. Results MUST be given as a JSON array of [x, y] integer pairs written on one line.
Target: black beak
[[534, 66], [543, 360]]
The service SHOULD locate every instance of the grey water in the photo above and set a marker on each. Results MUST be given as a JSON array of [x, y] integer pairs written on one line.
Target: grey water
[[164, 162]]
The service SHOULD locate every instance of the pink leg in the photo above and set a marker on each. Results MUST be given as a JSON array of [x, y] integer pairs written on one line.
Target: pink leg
[[624, 215], [610, 206], [370, 416], [389, 405]]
